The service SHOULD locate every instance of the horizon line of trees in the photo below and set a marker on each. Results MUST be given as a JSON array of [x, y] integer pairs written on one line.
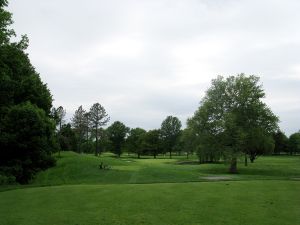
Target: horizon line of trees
[[82, 136]]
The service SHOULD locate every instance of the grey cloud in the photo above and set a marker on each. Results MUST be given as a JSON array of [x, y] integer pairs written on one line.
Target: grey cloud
[[144, 60]]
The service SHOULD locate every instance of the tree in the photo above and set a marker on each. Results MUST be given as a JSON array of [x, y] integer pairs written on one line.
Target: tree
[[170, 131], [281, 142], [134, 140], [26, 141], [59, 115], [116, 134], [78, 123], [87, 125], [67, 138], [26, 129], [151, 142], [294, 143], [229, 116], [98, 118], [189, 141], [256, 143]]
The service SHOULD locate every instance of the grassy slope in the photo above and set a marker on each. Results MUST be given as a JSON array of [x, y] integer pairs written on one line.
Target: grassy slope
[[251, 200], [74, 168]]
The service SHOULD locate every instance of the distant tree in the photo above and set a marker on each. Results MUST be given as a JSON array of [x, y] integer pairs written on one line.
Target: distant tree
[[67, 138], [59, 116], [87, 125], [78, 123], [151, 142], [229, 115], [134, 141], [104, 142], [281, 142], [257, 143], [294, 143], [170, 131], [98, 118], [116, 134], [178, 147], [61, 113], [189, 141]]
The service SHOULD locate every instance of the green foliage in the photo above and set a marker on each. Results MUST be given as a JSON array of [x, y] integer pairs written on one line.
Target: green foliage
[[98, 118], [5, 22], [281, 142], [134, 141], [294, 143], [88, 147], [67, 138], [26, 131], [26, 141], [170, 132], [231, 116], [79, 125], [189, 141], [116, 134], [152, 142]]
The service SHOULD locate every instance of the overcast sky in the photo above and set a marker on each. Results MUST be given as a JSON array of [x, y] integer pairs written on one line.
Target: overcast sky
[[145, 60]]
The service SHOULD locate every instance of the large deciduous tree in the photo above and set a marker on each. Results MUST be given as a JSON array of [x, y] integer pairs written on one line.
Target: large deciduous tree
[[116, 134], [26, 130], [232, 119], [170, 131], [98, 118]]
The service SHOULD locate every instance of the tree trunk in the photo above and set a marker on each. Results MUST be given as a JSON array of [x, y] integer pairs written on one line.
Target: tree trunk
[[246, 160], [187, 155], [139, 156], [233, 165], [252, 157], [170, 154], [59, 137]]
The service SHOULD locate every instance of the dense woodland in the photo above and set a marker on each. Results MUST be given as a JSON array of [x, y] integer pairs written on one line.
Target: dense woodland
[[232, 122]]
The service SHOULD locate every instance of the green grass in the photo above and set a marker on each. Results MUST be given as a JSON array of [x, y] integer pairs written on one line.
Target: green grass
[[156, 191], [234, 203], [75, 168]]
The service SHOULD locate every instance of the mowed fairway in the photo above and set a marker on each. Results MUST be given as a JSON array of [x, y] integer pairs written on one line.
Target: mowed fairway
[[162, 191]]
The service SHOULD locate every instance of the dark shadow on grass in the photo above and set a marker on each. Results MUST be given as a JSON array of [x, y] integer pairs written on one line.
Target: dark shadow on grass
[[271, 172]]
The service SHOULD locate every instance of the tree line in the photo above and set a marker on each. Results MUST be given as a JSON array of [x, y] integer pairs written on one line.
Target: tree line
[[86, 134], [83, 136]]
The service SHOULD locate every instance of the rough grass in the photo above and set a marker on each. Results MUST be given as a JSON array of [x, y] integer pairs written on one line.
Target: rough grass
[[156, 191]]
